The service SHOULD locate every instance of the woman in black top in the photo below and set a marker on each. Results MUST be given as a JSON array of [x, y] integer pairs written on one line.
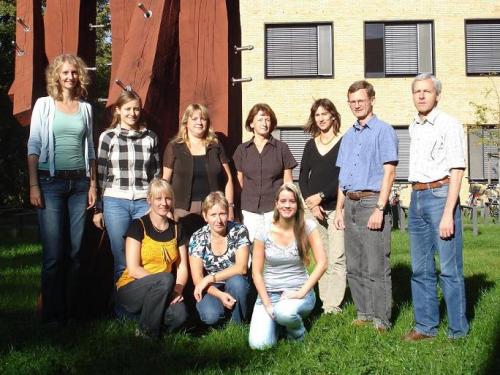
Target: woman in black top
[[196, 164], [318, 182]]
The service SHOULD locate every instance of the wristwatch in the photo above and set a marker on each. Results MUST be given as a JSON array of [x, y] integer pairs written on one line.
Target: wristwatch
[[322, 195], [380, 207]]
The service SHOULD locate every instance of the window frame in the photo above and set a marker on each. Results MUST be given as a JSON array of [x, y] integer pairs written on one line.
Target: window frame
[[403, 167], [479, 150], [477, 21], [398, 22], [277, 133], [299, 24]]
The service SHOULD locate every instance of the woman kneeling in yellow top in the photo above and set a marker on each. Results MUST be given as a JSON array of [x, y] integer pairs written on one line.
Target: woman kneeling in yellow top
[[157, 266]]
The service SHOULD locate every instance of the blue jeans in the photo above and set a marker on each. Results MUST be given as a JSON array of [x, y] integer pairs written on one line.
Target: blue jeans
[[62, 222], [118, 215], [211, 309], [288, 313], [426, 210]]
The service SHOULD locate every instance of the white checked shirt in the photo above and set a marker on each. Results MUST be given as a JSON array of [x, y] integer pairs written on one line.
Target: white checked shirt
[[437, 145]]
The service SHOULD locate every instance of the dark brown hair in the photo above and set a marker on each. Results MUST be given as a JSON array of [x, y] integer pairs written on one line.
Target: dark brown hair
[[311, 126], [266, 109]]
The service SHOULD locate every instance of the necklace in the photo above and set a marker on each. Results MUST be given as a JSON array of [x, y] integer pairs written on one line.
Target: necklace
[[327, 142], [159, 230]]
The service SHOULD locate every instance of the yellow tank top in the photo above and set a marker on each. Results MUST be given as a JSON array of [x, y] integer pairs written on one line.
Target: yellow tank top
[[156, 256]]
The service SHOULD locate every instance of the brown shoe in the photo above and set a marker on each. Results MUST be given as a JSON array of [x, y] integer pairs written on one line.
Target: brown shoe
[[415, 336], [360, 322]]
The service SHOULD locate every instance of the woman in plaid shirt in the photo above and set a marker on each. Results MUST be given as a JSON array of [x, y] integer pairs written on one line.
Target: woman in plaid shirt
[[127, 161]]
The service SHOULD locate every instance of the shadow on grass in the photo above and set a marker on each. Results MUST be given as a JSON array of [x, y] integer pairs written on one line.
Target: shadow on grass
[[493, 364], [401, 290], [109, 347], [475, 285]]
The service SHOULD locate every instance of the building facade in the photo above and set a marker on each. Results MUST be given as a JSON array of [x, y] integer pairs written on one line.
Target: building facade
[[309, 50]]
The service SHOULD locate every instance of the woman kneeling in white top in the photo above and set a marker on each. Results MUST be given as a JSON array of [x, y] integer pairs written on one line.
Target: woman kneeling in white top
[[280, 257]]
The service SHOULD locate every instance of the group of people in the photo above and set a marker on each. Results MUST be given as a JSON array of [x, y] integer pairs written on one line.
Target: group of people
[[174, 223]]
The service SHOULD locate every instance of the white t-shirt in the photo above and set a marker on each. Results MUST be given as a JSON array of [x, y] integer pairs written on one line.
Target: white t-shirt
[[283, 268]]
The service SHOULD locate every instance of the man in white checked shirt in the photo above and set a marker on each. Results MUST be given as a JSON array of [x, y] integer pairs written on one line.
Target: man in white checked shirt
[[437, 163]]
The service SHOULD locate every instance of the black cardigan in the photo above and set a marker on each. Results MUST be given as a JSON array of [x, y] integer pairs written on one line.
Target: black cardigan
[[179, 159]]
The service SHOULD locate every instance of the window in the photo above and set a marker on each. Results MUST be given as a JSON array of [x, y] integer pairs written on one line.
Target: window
[[483, 155], [482, 46], [299, 50], [398, 49], [296, 140], [403, 167]]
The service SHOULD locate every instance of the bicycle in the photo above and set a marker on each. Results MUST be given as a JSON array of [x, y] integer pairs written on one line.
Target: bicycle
[[492, 192]]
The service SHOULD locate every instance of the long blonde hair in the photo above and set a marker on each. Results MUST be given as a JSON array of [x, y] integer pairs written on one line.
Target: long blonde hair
[[299, 226], [182, 136], [52, 72], [125, 97]]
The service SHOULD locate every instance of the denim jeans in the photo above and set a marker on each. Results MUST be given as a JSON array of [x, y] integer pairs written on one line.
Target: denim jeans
[[62, 223], [288, 313], [426, 210], [118, 215], [368, 261], [211, 309]]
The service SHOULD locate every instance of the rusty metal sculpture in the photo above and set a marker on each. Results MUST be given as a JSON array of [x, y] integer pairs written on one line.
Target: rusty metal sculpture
[[170, 52]]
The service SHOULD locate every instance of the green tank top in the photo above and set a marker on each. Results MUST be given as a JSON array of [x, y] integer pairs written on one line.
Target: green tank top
[[69, 138]]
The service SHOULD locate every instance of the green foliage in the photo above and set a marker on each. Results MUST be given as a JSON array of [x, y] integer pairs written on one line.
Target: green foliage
[[488, 116], [332, 345], [12, 136], [103, 52]]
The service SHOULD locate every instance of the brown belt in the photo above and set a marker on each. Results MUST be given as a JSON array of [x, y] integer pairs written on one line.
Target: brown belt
[[431, 185], [357, 195]]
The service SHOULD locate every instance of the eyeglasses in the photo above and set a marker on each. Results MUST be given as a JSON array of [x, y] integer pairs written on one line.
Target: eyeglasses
[[357, 102]]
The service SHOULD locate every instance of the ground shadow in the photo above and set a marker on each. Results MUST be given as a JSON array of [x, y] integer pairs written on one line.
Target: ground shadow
[[96, 274], [475, 285], [493, 364], [401, 289]]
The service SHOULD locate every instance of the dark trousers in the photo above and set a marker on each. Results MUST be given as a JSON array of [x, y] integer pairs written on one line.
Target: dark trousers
[[368, 261], [150, 296]]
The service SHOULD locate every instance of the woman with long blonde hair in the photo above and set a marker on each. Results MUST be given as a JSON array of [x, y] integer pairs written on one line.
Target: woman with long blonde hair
[[196, 164], [61, 166], [280, 257]]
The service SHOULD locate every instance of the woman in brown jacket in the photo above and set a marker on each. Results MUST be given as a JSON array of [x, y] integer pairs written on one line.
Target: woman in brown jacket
[[196, 164]]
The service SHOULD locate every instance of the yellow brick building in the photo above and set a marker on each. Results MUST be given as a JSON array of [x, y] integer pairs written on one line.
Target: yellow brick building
[[291, 97]]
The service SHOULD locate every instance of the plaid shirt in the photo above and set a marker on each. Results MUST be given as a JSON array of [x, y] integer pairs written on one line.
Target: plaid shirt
[[127, 161]]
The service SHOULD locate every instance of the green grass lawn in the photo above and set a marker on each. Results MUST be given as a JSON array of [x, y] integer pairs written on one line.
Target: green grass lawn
[[105, 346]]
